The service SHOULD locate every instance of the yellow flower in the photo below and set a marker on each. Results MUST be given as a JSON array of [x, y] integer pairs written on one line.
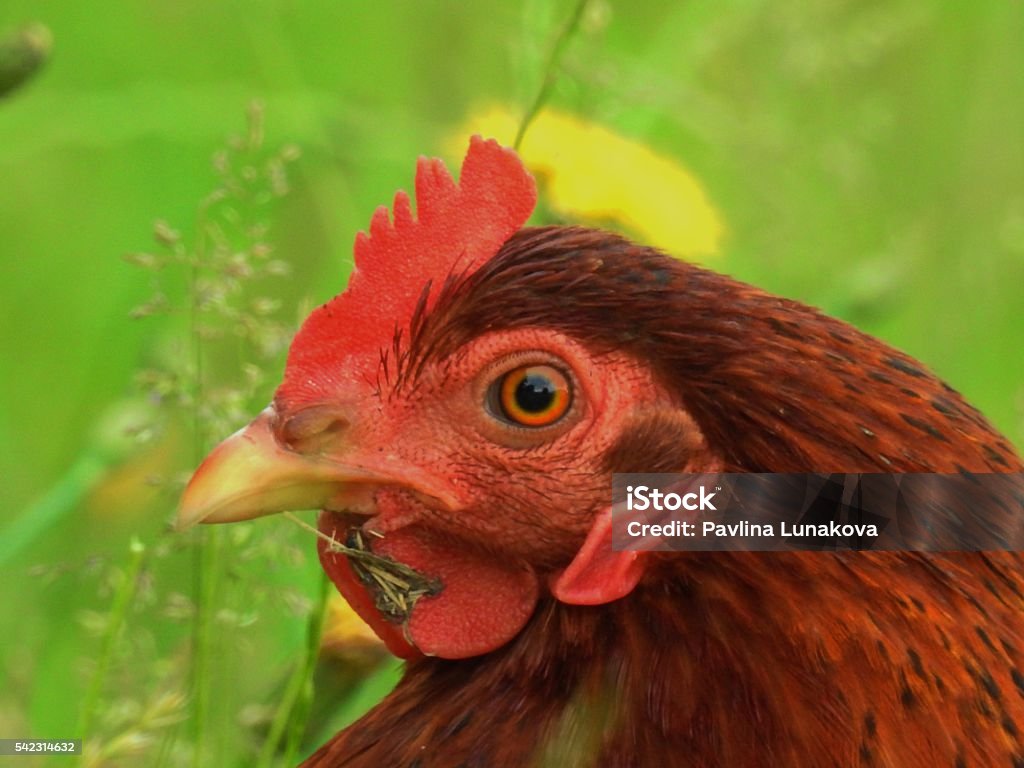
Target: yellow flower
[[348, 636], [590, 174]]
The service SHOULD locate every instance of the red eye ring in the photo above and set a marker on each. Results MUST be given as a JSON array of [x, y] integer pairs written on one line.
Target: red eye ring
[[533, 395]]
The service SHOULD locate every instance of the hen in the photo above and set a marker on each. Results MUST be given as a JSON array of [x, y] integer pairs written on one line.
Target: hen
[[458, 412]]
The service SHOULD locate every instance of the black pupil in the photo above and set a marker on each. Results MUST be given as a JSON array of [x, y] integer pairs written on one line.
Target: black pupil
[[535, 393]]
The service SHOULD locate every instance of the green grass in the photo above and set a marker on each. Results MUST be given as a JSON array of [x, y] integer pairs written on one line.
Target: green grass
[[864, 155]]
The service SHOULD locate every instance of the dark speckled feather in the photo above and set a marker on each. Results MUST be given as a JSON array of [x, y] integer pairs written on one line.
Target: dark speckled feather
[[729, 659]]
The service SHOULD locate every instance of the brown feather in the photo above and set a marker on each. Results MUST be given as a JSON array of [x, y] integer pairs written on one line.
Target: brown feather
[[729, 659]]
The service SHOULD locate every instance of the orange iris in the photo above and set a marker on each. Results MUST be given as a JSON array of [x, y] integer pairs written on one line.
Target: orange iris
[[534, 395]]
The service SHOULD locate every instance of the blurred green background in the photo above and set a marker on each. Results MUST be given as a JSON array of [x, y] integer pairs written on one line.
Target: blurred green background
[[865, 156]]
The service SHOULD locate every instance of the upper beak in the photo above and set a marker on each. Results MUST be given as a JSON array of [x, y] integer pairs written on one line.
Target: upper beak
[[251, 474]]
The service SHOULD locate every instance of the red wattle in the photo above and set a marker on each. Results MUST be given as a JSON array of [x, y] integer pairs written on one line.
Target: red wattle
[[483, 603]]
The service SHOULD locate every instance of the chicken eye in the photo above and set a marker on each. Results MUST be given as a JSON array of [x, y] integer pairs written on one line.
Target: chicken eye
[[533, 395]]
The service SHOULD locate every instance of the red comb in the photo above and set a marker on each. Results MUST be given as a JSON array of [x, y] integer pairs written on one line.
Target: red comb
[[457, 228]]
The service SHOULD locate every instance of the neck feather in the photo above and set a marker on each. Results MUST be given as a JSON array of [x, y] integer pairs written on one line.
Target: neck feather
[[731, 659]]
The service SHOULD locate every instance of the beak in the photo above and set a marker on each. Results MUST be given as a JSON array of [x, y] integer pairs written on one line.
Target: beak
[[251, 474]]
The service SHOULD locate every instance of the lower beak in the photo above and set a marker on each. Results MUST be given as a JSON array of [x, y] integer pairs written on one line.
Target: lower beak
[[251, 474]]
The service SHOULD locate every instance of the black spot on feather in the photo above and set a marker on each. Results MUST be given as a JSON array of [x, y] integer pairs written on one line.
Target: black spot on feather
[[838, 358], [1018, 680], [989, 685], [904, 367], [993, 591], [984, 637], [785, 329], [944, 407], [994, 455], [907, 697], [967, 473], [924, 427], [661, 276], [870, 725], [915, 663], [457, 725], [865, 754], [1008, 725]]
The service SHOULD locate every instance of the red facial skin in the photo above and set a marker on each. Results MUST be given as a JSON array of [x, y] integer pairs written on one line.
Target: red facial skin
[[484, 524]]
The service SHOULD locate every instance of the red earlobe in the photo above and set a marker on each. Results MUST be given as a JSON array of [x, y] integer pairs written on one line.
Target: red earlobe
[[598, 574]]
